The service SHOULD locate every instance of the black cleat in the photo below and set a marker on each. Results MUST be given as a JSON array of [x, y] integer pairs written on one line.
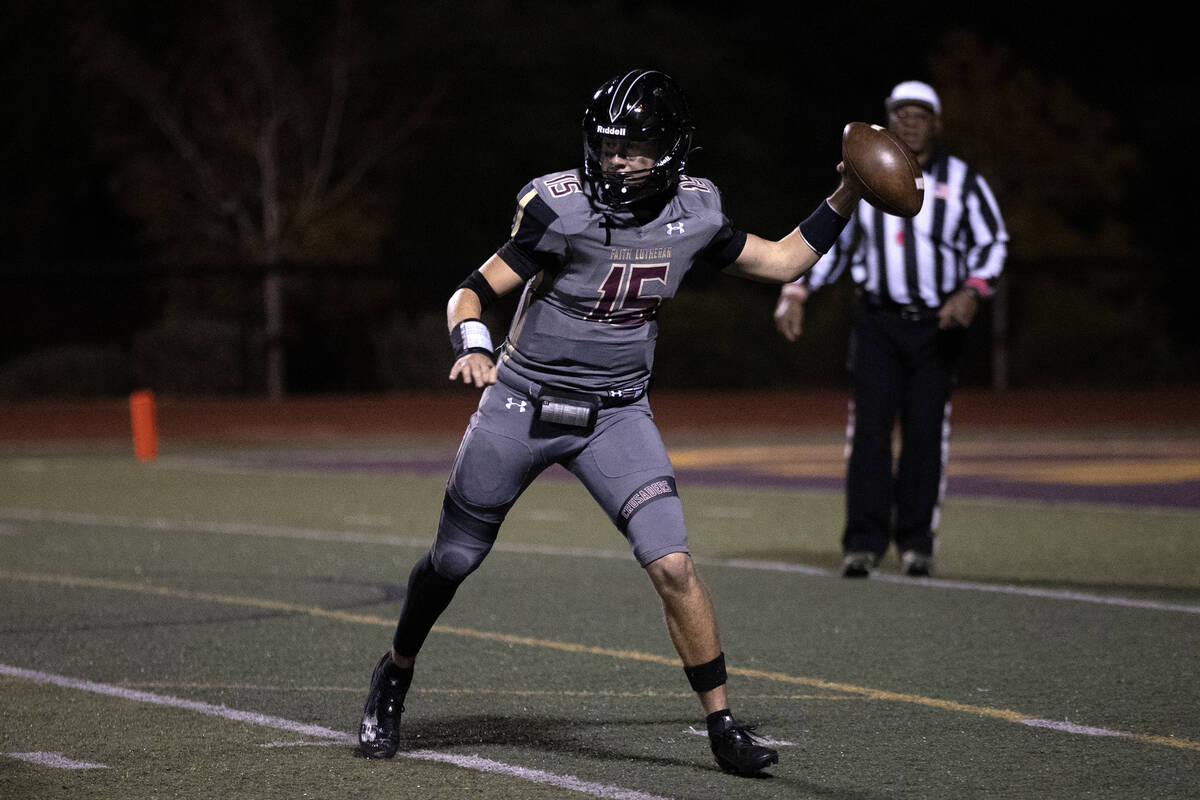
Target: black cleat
[[735, 747], [379, 733]]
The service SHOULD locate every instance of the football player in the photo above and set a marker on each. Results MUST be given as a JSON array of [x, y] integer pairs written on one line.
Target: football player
[[597, 251]]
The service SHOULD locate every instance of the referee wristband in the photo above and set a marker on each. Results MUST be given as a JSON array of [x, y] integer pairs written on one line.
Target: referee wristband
[[823, 227], [471, 336], [978, 287]]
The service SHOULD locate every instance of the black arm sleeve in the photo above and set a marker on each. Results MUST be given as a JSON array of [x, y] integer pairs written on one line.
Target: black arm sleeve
[[479, 285], [532, 221], [724, 249], [523, 262]]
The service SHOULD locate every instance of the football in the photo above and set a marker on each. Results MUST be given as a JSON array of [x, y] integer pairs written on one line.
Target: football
[[883, 169]]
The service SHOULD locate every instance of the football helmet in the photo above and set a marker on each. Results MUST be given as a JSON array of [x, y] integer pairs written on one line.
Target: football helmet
[[644, 106]]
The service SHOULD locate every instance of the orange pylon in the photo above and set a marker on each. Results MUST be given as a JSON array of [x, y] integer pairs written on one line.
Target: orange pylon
[[145, 433]]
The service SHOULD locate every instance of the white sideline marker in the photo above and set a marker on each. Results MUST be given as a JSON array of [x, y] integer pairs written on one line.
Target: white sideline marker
[[330, 736]]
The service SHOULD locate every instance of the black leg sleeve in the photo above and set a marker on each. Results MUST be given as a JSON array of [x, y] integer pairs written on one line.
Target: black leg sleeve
[[428, 596]]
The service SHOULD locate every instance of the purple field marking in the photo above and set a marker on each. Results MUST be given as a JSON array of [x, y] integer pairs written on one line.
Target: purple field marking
[[1173, 494]]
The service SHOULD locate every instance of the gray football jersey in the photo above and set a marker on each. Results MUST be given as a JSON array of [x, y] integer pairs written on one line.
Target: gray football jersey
[[587, 320]]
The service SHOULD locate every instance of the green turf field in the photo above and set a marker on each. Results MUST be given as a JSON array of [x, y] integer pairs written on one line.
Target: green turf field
[[200, 627]]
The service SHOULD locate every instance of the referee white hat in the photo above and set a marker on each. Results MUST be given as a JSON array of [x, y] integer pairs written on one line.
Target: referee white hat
[[914, 92]]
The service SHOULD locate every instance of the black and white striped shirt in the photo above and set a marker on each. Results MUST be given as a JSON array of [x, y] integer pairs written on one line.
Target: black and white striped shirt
[[958, 238]]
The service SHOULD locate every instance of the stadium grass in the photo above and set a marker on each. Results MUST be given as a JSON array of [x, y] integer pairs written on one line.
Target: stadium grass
[[274, 591]]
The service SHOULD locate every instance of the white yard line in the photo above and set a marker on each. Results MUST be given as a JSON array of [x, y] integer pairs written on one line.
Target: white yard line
[[326, 735], [14, 515], [54, 761]]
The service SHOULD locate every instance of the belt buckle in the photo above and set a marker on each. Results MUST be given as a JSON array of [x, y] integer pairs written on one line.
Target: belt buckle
[[912, 313]]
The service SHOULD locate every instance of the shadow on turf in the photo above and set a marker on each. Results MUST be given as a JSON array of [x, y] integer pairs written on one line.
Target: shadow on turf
[[548, 735], [574, 738], [569, 736]]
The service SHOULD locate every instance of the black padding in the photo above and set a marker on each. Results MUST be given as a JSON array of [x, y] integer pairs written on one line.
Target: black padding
[[479, 285]]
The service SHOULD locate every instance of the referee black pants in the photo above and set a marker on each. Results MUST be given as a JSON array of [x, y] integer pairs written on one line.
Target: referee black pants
[[903, 370]]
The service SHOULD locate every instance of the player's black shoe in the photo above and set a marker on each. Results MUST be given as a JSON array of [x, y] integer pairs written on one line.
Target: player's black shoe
[[379, 733], [735, 747]]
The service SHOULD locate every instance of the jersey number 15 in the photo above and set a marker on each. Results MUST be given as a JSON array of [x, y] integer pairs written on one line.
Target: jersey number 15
[[624, 299]]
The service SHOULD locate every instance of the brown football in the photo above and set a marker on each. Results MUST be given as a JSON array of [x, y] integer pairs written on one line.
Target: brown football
[[883, 169]]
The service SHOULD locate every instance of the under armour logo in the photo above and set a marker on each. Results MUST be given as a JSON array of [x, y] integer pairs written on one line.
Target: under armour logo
[[519, 405], [674, 227]]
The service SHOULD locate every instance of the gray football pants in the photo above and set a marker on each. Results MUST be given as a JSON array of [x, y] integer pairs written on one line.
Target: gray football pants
[[622, 462]]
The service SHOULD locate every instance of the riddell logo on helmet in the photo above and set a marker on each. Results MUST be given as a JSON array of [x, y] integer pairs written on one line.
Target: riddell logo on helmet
[[610, 131]]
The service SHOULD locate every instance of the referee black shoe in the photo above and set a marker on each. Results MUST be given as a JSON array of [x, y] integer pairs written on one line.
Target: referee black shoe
[[858, 564], [735, 748], [379, 733], [916, 565]]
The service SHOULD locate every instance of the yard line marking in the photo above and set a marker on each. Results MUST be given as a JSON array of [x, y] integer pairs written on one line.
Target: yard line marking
[[533, 775], [473, 762], [1006, 715], [357, 537], [974, 586], [55, 760]]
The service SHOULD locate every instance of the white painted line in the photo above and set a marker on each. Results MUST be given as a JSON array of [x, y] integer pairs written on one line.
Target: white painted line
[[123, 693], [473, 762], [55, 760], [767, 740], [1066, 726], [533, 775], [358, 537], [973, 586]]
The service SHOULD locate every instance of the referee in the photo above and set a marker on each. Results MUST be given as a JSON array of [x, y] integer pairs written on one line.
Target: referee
[[919, 282]]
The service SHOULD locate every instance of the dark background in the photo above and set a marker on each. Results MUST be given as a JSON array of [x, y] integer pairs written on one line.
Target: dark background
[[113, 278]]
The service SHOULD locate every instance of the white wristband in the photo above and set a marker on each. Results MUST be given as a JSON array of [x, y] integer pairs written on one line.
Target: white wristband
[[471, 336]]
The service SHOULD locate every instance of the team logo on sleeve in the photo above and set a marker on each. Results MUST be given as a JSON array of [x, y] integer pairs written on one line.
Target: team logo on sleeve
[[687, 184], [564, 185]]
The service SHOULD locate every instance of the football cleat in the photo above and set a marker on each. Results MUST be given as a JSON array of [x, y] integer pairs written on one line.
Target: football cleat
[[736, 750], [858, 564], [379, 733]]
